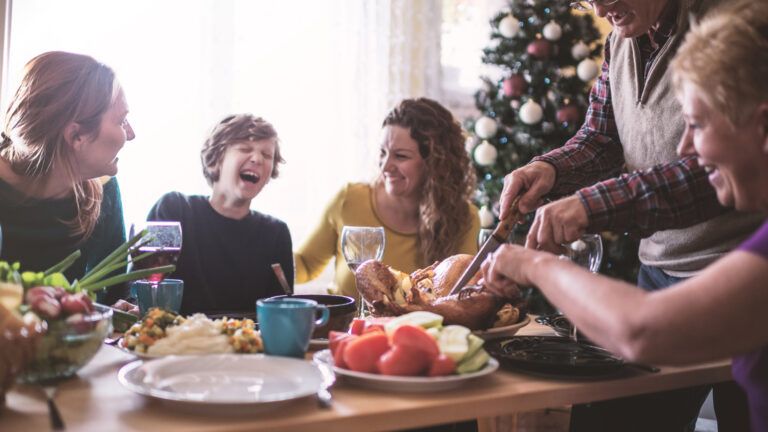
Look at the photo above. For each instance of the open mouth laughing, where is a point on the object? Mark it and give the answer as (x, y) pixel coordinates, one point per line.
(249, 176)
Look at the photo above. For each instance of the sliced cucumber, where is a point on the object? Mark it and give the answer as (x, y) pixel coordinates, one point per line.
(422, 319)
(473, 363)
(453, 342)
(475, 343)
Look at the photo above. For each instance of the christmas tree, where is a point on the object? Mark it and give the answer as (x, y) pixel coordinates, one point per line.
(545, 55)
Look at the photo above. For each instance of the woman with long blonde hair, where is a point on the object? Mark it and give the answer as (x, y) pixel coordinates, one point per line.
(420, 196)
(63, 130)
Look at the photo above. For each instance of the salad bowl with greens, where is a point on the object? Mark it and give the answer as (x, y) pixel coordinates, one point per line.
(73, 326)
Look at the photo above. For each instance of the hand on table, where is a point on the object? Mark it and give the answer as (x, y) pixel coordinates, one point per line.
(556, 224)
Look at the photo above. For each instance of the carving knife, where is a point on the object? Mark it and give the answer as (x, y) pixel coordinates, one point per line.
(497, 238)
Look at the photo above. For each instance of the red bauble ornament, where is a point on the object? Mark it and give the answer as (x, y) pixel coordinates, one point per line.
(514, 86)
(568, 114)
(540, 48)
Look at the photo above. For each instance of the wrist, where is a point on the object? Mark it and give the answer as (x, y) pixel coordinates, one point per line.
(541, 263)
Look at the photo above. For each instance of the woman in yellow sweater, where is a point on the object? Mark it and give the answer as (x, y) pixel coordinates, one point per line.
(420, 196)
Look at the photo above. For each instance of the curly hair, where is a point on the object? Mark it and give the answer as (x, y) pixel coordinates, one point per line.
(59, 88)
(450, 179)
(231, 130)
(725, 57)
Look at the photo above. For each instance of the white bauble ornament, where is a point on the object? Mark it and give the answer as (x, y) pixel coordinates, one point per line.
(587, 70)
(485, 154)
(486, 217)
(486, 127)
(552, 31)
(515, 104)
(580, 51)
(509, 26)
(531, 112)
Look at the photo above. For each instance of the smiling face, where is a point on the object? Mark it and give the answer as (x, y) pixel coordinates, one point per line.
(736, 158)
(631, 18)
(96, 155)
(246, 167)
(403, 169)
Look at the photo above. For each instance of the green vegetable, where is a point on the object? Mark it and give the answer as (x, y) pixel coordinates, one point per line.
(453, 342)
(422, 319)
(475, 343)
(64, 264)
(473, 363)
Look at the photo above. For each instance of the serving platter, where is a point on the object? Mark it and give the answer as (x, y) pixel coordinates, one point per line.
(402, 383)
(223, 381)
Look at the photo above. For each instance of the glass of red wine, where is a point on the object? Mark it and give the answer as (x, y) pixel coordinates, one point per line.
(162, 241)
(360, 244)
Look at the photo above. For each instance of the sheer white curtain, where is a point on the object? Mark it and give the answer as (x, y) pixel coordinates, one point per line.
(323, 72)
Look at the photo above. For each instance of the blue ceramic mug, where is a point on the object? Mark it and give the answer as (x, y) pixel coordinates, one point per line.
(287, 323)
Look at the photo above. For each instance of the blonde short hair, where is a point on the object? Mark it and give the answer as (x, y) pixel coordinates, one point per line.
(725, 56)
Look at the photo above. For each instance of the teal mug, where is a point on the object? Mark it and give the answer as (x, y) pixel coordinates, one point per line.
(166, 294)
(286, 324)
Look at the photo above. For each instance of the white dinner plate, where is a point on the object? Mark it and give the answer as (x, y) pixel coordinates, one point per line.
(119, 345)
(505, 331)
(223, 380)
(403, 383)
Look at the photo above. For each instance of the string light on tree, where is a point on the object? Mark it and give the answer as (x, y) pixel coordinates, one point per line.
(531, 112)
(486, 127)
(486, 154)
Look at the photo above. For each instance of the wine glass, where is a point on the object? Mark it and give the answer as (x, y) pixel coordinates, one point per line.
(360, 244)
(163, 240)
(587, 252)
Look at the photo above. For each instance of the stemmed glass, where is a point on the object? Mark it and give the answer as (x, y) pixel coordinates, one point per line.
(163, 240)
(360, 244)
(587, 252)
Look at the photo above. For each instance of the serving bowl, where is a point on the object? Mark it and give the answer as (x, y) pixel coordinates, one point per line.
(68, 345)
(342, 310)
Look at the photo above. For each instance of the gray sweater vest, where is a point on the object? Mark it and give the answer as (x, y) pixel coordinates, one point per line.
(650, 124)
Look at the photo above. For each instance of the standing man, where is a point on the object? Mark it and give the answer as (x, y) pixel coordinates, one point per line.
(634, 123)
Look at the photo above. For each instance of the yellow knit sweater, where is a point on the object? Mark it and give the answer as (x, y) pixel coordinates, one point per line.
(354, 205)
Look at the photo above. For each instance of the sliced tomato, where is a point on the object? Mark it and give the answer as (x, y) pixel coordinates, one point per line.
(341, 346)
(334, 337)
(403, 360)
(442, 365)
(361, 353)
(416, 337)
(371, 328)
(357, 326)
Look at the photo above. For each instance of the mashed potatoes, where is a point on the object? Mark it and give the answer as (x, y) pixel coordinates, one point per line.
(196, 335)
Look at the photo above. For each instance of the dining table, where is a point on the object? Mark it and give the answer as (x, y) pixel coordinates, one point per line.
(95, 400)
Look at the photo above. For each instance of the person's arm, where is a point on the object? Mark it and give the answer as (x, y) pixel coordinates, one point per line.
(320, 247)
(673, 195)
(595, 152)
(695, 320)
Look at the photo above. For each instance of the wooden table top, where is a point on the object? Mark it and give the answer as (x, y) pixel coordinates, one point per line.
(95, 400)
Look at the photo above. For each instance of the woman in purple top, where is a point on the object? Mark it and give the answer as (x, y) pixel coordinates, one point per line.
(721, 77)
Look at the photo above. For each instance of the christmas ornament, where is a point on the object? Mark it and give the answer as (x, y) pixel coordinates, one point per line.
(485, 154)
(514, 86)
(486, 127)
(531, 112)
(547, 127)
(469, 144)
(587, 70)
(552, 31)
(515, 104)
(540, 48)
(568, 114)
(509, 26)
(486, 217)
(580, 51)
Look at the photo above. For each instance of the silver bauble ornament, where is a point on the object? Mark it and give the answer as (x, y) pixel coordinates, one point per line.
(531, 112)
(486, 127)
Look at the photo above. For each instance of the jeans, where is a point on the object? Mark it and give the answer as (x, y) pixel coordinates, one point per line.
(673, 411)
